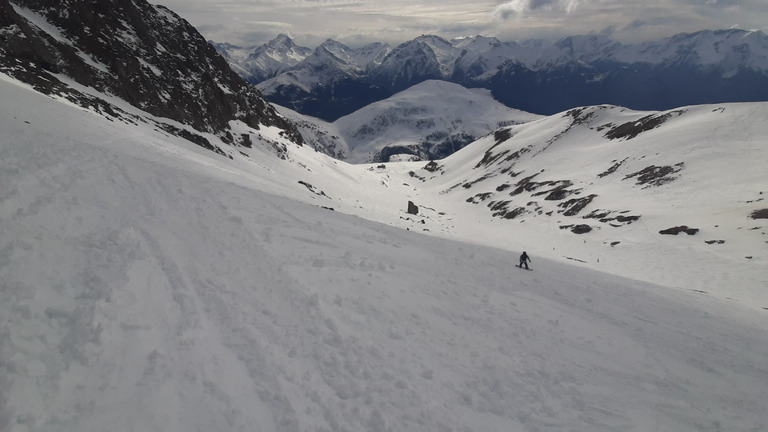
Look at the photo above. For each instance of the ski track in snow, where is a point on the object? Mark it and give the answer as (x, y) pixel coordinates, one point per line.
(143, 291)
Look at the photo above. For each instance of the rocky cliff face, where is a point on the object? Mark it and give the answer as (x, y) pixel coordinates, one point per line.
(135, 51)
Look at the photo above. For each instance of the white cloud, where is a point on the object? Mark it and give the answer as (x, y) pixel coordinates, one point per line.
(516, 8)
(356, 22)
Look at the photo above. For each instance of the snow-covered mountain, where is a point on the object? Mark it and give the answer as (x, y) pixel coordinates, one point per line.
(166, 271)
(320, 135)
(686, 69)
(145, 57)
(481, 57)
(723, 49)
(148, 284)
(689, 178)
(424, 58)
(256, 64)
(540, 76)
(334, 72)
(428, 121)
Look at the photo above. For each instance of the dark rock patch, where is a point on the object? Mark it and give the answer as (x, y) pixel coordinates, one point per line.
(627, 219)
(581, 115)
(313, 189)
(678, 229)
(630, 130)
(190, 136)
(516, 155)
(612, 169)
(759, 214)
(468, 185)
(501, 209)
(573, 206)
(581, 229)
(598, 214)
(432, 167)
(478, 198)
(556, 189)
(412, 208)
(575, 259)
(656, 175)
(577, 229)
(525, 184)
(490, 158)
(502, 135)
(559, 192)
(604, 217)
(414, 175)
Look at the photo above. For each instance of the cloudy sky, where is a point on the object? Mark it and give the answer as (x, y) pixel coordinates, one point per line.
(356, 22)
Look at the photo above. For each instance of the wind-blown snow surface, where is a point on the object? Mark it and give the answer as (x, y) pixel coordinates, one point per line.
(149, 285)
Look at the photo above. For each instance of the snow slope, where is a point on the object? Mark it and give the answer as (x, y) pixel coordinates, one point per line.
(149, 285)
(320, 135)
(633, 174)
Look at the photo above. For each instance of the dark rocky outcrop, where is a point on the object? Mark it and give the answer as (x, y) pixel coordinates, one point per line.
(578, 229)
(656, 175)
(412, 208)
(138, 52)
(632, 129)
(760, 214)
(574, 206)
(678, 229)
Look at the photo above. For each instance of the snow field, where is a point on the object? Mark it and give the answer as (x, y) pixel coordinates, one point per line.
(146, 285)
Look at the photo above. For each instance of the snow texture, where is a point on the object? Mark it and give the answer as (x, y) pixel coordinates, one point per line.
(147, 284)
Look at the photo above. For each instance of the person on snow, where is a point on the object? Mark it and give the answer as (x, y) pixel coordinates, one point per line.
(524, 260)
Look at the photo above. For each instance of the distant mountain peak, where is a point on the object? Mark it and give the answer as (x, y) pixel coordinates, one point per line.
(539, 76)
(427, 121)
(283, 38)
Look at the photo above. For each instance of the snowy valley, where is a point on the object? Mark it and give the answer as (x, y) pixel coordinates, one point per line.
(161, 270)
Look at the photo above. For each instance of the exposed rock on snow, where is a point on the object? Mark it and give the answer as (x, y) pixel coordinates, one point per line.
(632, 129)
(412, 208)
(140, 53)
(656, 175)
(678, 229)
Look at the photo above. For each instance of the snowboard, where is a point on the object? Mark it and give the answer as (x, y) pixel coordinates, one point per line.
(518, 266)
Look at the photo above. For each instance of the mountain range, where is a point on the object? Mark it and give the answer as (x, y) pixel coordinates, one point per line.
(537, 76)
